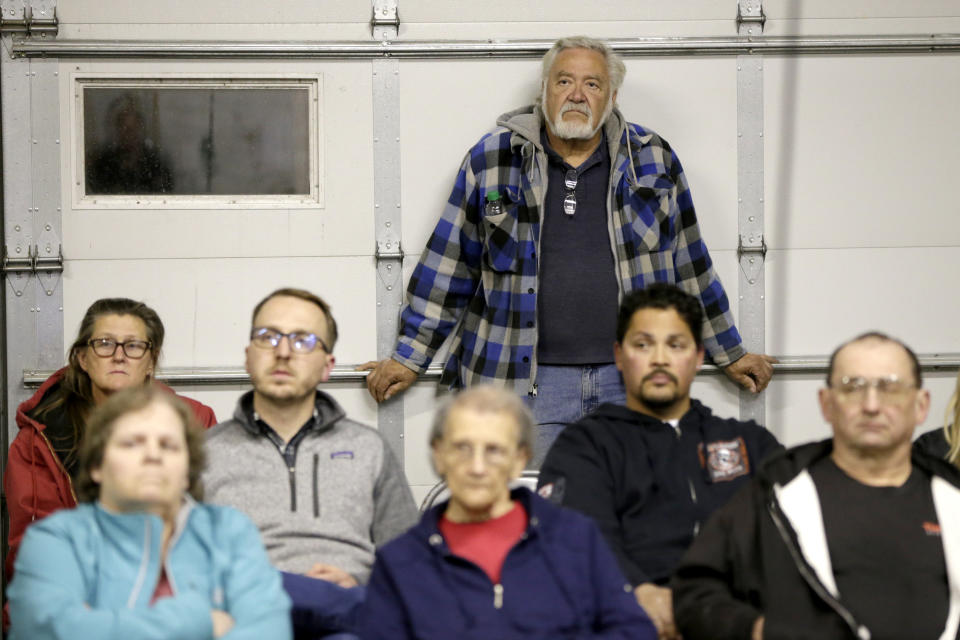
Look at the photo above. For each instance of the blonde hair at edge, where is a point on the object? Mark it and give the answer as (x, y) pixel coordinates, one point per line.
(951, 425)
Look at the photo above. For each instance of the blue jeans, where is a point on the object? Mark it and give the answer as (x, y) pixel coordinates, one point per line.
(322, 609)
(566, 393)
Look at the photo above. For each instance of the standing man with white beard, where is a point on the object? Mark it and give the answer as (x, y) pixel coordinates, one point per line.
(554, 216)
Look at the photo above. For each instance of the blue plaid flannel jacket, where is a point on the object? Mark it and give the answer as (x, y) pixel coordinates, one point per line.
(478, 274)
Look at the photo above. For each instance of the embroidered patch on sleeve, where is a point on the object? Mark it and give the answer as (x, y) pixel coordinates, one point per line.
(553, 491)
(725, 459)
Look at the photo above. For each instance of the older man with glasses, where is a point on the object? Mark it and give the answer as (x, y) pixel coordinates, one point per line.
(324, 490)
(555, 215)
(855, 537)
(492, 562)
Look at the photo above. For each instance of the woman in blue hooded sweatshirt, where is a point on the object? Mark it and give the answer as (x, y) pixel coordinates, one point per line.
(140, 557)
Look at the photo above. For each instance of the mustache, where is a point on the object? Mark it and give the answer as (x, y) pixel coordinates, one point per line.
(582, 107)
(661, 371)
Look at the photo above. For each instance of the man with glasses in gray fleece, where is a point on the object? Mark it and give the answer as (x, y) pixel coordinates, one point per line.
(324, 491)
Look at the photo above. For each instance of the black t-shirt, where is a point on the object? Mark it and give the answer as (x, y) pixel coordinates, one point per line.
(886, 552)
(578, 297)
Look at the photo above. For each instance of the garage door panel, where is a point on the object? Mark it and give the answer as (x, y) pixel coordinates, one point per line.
(206, 305)
(819, 298)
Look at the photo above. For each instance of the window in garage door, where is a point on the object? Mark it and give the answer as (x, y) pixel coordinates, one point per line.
(165, 141)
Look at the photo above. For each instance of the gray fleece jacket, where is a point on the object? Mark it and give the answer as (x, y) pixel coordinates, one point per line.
(344, 495)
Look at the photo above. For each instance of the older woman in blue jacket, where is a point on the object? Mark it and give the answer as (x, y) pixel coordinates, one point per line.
(140, 557)
(491, 562)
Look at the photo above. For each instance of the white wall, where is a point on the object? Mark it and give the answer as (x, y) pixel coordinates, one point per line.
(860, 156)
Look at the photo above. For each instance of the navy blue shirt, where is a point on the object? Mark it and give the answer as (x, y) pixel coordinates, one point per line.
(578, 297)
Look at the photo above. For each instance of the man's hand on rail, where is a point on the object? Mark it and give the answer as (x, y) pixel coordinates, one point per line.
(752, 372)
(387, 378)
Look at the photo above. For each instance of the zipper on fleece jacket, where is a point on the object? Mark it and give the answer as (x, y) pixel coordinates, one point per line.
(144, 561)
(177, 533)
(292, 474)
(859, 630)
(288, 451)
(293, 487)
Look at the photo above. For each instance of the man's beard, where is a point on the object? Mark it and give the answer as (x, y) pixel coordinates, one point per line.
(660, 401)
(576, 130)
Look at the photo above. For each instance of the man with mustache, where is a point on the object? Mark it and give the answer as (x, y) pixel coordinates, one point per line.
(651, 472)
(324, 490)
(555, 215)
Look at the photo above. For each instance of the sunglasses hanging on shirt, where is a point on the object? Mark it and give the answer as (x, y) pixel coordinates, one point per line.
(570, 199)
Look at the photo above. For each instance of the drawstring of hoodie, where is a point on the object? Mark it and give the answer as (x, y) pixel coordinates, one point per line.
(633, 171)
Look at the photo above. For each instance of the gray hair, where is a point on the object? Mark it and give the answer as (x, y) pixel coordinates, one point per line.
(487, 399)
(615, 67)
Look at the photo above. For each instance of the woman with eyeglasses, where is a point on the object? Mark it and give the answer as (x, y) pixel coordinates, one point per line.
(118, 347)
(945, 443)
(141, 556)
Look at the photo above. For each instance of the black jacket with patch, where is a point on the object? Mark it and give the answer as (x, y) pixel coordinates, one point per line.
(648, 486)
(765, 553)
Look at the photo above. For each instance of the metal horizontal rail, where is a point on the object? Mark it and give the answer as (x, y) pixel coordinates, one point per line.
(731, 45)
(225, 376)
(818, 364)
(231, 376)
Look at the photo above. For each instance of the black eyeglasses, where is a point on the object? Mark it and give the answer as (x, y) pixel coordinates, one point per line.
(300, 341)
(106, 347)
(570, 199)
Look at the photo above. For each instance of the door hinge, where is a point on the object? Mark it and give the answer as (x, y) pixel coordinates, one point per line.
(30, 22)
(744, 249)
(33, 262)
(386, 251)
(750, 12)
(385, 22)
